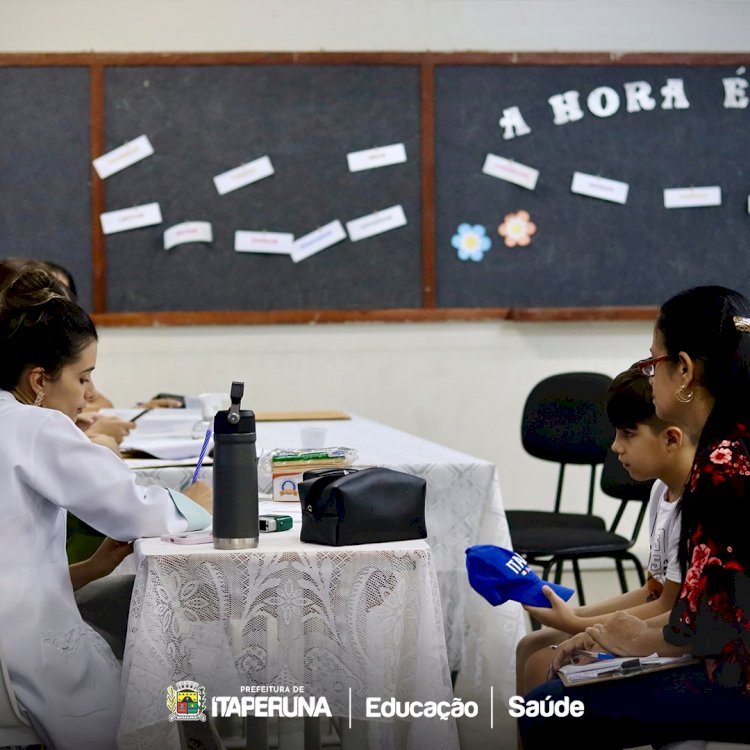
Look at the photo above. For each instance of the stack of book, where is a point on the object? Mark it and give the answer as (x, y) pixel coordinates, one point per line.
(289, 466)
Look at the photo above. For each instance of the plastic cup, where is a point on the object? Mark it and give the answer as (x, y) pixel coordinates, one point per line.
(312, 437)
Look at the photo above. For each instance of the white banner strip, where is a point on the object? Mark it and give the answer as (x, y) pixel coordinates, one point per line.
(124, 156)
(188, 231)
(599, 187)
(372, 158)
(692, 197)
(130, 218)
(318, 240)
(376, 223)
(243, 175)
(510, 171)
(277, 243)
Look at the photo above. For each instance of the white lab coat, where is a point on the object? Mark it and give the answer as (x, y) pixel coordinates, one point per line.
(63, 672)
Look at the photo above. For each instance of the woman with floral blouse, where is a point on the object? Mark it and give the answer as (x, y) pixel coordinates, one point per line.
(700, 375)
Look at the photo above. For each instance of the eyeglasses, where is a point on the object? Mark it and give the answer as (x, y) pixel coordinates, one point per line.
(648, 366)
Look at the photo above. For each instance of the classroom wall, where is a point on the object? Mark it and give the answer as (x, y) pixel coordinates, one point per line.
(461, 384)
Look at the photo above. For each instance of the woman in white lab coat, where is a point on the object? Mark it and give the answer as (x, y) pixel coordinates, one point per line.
(64, 674)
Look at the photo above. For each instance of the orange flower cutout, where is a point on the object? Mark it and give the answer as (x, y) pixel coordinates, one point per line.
(517, 229)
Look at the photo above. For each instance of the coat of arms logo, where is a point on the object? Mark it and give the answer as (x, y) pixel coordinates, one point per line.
(186, 701)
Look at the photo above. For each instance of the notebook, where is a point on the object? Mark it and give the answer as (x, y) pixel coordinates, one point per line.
(619, 668)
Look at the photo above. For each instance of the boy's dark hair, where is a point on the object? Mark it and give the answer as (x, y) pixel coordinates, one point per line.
(630, 401)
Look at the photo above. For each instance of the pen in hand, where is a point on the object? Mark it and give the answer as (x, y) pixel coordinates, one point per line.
(598, 655)
(202, 455)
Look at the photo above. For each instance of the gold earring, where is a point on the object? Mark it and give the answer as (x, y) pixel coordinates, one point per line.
(682, 396)
(39, 398)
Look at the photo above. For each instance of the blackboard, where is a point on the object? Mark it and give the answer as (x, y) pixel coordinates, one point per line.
(208, 113)
(205, 120)
(588, 252)
(45, 210)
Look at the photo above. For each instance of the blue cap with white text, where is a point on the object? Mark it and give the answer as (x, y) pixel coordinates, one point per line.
(500, 575)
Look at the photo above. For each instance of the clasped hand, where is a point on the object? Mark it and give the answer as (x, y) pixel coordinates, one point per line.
(619, 636)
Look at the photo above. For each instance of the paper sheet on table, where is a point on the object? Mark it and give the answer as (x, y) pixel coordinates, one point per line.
(162, 421)
(166, 434)
(162, 463)
(164, 447)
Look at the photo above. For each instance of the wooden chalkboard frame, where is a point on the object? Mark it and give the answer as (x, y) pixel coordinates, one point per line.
(97, 63)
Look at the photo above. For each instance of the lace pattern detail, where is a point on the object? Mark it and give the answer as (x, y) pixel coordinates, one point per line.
(331, 621)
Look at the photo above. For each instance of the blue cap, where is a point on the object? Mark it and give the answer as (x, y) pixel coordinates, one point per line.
(500, 574)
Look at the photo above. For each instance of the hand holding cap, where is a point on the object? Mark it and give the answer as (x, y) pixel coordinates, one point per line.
(500, 575)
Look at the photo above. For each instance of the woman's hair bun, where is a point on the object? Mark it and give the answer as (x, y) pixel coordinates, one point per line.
(31, 288)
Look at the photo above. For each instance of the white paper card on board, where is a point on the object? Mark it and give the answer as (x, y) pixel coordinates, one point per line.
(188, 231)
(127, 154)
(278, 243)
(243, 175)
(318, 240)
(692, 197)
(599, 187)
(130, 218)
(372, 158)
(376, 223)
(511, 171)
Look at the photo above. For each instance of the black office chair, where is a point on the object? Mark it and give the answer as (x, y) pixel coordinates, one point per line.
(564, 420)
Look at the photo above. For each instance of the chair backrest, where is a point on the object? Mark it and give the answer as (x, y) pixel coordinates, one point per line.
(565, 420)
(617, 483)
(14, 727)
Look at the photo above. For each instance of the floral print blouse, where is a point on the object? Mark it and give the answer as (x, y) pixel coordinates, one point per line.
(712, 613)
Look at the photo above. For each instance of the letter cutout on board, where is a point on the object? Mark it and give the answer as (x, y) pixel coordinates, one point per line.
(513, 124)
(603, 101)
(674, 94)
(565, 107)
(735, 93)
(638, 96)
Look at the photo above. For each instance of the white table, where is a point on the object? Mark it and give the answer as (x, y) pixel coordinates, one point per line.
(463, 507)
(345, 623)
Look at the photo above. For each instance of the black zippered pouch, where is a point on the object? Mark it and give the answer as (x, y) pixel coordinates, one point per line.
(361, 506)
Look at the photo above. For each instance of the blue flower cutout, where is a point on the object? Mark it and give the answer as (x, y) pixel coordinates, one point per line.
(471, 242)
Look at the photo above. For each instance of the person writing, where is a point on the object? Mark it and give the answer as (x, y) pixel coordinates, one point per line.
(64, 674)
(699, 370)
(105, 430)
(649, 448)
(100, 401)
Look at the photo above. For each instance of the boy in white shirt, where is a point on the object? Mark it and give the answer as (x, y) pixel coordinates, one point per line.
(648, 448)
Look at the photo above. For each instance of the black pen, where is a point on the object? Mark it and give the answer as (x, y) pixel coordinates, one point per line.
(140, 414)
(627, 668)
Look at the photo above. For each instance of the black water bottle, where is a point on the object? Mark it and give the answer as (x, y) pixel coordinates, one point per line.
(235, 476)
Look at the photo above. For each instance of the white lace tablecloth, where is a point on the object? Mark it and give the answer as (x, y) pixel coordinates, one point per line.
(463, 507)
(345, 623)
